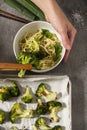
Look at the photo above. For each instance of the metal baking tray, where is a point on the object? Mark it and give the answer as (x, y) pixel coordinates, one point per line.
(60, 84)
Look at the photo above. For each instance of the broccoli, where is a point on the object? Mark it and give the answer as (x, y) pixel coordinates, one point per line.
(13, 128)
(47, 33)
(23, 58)
(14, 90)
(41, 107)
(42, 91)
(27, 97)
(57, 128)
(27, 58)
(41, 123)
(7, 92)
(21, 73)
(54, 107)
(2, 116)
(17, 112)
(4, 93)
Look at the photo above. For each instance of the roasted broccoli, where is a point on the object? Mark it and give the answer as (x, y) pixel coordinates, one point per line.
(41, 107)
(7, 92)
(41, 123)
(27, 97)
(54, 107)
(57, 128)
(13, 128)
(42, 91)
(4, 93)
(14, 90)
(2, 116)
(17, 112)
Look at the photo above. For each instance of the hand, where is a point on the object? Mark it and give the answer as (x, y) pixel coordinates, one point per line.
(64, 27)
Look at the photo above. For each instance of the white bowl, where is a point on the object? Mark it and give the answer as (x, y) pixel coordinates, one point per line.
(32, 27)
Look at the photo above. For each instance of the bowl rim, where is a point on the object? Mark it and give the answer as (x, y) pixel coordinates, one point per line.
(38, 22)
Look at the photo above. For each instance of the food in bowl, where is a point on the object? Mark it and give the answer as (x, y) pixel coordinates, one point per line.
(41, 49)
(39, 44)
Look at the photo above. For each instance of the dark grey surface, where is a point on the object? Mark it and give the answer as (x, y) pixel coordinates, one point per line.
(76, 66)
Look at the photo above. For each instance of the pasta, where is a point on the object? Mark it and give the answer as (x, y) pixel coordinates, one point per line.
(43, 46)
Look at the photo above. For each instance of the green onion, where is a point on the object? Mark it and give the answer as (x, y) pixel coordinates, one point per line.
(20, 8)
(33, 8)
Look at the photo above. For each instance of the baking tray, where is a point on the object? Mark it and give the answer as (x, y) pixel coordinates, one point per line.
(60, 84)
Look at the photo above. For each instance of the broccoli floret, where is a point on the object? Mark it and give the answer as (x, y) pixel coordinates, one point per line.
(7, 92)
(13, 128)
(21, 73)
(27, 114)
(42, 91)
(41, 107)
(17, 112)
(27, 97)
(27, 58)
(4, 93)
(14, 90)
(2, 116)
(41, 123)
(57, 128)
(54, 107)
(23, 58)
(47, 33)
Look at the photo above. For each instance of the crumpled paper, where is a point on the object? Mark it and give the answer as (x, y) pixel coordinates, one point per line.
(59, 84)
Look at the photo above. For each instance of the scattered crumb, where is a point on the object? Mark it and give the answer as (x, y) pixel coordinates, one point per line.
(78, 18)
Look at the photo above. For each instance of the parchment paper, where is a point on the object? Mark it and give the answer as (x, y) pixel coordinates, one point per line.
(59, 84)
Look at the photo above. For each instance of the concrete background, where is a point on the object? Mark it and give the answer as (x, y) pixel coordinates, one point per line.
(76, 66)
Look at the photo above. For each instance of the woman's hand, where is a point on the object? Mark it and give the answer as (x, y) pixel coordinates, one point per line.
(64, 27)
(59, 21)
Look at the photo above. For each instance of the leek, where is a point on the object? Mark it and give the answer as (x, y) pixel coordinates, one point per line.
(20, 8)
(33, 8)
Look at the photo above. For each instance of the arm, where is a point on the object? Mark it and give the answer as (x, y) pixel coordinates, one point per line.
(56, 17)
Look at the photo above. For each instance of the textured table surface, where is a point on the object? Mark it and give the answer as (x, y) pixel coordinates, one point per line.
(75, 67)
